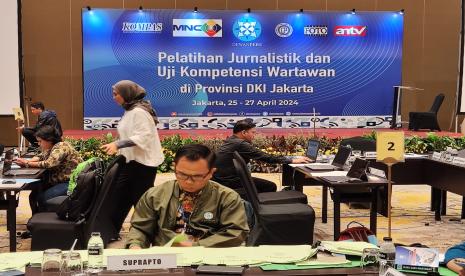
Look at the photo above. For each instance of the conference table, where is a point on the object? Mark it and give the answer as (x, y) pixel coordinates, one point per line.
(370, 188)
(11, 191)
(35, 271)
(442, 176)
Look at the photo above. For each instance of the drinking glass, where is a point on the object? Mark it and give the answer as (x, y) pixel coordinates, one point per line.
(370, 260)
(51, 260)
(72, 263)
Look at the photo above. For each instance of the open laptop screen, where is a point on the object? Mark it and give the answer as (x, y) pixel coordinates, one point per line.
(312, 149)
(358, 169)
(340, 159)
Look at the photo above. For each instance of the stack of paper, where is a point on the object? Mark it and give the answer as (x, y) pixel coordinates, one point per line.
(9, 261)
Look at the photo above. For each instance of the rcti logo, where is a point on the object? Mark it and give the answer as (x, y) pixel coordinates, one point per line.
(350, 30)
(247, 29)
(197, 28)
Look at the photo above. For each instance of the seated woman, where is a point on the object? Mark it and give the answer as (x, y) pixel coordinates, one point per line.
(59, 159)
(455, 258)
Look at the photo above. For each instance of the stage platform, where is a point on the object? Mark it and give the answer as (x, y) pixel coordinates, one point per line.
(223, 133)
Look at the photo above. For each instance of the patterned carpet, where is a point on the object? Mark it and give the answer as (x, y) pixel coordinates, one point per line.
(412, 221)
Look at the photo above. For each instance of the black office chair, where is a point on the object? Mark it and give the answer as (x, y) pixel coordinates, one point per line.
(277, 223)
(427, 120)
(48, 231)
(288, 196)
(359, 143)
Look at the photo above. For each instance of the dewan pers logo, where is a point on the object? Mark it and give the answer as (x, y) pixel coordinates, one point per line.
(247, 28)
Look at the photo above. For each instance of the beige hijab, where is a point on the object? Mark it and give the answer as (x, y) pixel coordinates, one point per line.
(133, 95)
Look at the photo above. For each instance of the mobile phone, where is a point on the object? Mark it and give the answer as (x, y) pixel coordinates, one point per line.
(220, 269)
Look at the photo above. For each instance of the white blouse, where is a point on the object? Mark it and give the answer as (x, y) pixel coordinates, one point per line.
(138, 126)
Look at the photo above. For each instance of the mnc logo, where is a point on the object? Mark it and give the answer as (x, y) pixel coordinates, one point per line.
(350, 30)
(247, 28)
(197, 27)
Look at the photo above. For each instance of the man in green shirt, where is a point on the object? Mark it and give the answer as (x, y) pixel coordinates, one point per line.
(208, 213)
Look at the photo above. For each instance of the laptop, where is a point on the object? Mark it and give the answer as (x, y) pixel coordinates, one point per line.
(312, 150)
(340, 159)
(357, 173)
(8, 162)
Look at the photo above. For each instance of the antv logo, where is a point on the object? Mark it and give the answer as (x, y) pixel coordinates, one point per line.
(350, 30)
(142, 27)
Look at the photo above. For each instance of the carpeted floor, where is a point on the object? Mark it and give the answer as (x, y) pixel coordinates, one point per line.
(412, 221)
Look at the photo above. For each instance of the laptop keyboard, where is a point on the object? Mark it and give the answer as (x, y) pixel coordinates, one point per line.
(320, 166)
(22, 172)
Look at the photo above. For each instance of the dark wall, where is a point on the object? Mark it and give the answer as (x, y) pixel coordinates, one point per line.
(53, 63)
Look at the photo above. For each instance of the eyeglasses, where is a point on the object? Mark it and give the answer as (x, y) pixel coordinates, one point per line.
(194, 178)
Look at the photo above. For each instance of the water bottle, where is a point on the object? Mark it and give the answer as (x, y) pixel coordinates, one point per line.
(387, 255)
(95, 253)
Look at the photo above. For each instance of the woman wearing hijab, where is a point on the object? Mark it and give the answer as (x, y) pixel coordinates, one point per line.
(138, 143)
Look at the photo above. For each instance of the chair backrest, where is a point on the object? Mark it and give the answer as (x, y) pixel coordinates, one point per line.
(2, 148)
(360, 143)
(103, 202)
(246, 180)
(437, 103)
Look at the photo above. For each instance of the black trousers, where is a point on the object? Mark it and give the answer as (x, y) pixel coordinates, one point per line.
(29, 134)
(134, 180)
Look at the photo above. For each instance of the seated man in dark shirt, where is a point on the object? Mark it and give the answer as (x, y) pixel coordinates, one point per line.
(45, 118)
(241, 141)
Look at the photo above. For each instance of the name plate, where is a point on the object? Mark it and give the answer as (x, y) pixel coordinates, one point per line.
(370, 154)
(436, 155)
(137, 262)
(459, 161)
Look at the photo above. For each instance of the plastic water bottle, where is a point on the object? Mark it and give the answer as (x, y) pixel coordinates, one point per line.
(95, 253)
(387, 255)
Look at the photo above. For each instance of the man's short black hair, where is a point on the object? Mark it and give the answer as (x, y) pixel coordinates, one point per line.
(245, 124)
(194, 152)
(38, 105)
(49, 134)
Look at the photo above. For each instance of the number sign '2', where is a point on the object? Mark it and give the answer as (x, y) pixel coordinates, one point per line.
(390, 146)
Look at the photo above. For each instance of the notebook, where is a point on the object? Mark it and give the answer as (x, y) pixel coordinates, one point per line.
(340, 159)
(8, 162)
